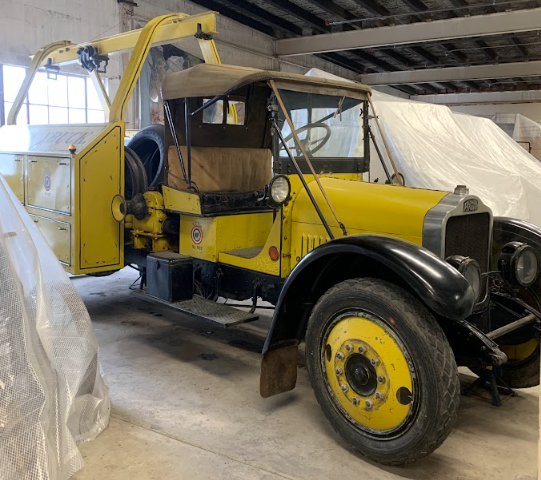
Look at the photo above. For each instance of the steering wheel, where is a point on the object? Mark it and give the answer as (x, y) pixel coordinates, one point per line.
(311, 146)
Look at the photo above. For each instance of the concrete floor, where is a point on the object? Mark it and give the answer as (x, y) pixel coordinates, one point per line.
(186, 405)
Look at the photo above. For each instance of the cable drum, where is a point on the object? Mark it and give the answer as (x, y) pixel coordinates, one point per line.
(135, 176)
(149, 145)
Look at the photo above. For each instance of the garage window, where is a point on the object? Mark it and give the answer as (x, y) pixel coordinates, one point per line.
(68, 99)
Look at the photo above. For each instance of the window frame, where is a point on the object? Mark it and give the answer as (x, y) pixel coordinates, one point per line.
(27, 104)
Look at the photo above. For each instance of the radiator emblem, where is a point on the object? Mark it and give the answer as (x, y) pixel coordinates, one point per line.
(471, 205)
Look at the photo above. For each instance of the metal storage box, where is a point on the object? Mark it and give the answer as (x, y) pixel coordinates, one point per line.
(170, 276)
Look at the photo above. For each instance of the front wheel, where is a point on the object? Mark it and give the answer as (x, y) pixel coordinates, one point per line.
(382, 371)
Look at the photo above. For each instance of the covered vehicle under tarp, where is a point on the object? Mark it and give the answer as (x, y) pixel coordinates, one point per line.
(437, 149)
(522, 129)
(52, 396)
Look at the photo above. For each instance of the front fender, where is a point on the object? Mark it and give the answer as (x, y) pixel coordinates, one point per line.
(441, 287)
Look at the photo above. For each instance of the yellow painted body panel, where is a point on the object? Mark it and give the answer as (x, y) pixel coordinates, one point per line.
(69, 195)
(218, 239)
(363, 208)
(48, 183)
(262, 261)
(101, 177)
(182, 202)
(12, 168)
(352, 335)
(58, 236)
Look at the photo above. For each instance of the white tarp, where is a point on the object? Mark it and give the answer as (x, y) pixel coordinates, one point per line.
(52, 396)
(438, 149)
(521, 129)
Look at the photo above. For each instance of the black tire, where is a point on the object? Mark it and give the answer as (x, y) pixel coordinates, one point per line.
(522, 374)
(149, 144)
(437, 384)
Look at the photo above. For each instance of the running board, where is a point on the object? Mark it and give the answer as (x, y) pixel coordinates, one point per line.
(205, 309)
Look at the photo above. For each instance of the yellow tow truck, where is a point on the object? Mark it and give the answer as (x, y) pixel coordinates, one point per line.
(251, 190)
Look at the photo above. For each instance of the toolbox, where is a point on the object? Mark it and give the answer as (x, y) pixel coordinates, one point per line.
(170, 276)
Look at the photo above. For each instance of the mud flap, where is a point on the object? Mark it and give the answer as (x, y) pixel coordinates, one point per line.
(279, 369)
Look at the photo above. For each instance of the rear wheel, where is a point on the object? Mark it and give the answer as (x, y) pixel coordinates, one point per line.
(382, 370)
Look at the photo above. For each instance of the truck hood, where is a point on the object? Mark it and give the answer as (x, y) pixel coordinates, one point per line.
(368, 207)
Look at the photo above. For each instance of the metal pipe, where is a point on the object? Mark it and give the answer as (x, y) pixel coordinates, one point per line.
(366, 138)
(303, 180)
(207, 104)
(378, 151)
(188, 122)
(521, 322)
(384, 141)
(175, 138)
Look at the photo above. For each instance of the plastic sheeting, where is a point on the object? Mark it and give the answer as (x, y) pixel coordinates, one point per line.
(523, 130)
(52, 396)
(437, 149)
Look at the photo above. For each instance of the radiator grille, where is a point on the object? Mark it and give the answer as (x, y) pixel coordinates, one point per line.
(468, 235)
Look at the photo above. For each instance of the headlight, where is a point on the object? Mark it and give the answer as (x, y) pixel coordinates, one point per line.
(518, 264)
(471, 271)
(279, 189)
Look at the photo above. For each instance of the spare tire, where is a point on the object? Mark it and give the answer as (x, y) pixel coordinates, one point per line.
(149, 145)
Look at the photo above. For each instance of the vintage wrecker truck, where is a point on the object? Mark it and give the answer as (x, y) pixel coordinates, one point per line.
(250, 192)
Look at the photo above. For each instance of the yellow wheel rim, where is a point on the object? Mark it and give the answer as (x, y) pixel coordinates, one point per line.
(368, 373)
(517, 353)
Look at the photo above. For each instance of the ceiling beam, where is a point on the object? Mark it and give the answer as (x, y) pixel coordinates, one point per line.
(521, 48)
(334, 9)
(462, 27)
(451, 49)
(299, 13)
(238, 17)
(374, 7)
(487, 50)
(459, 74)
(406, 89)
(256, 13)
(495, 98)
(367, 57)
(343, 62)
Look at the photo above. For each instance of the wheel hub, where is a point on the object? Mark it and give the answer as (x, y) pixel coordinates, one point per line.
(361, 374)
(369, 374)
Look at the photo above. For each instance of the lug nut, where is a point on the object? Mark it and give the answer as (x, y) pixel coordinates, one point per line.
(344, 388)
(368, 404)
(362, 349)
(374, 361)
(381, 379)
(340, 356)
(338, 371)
(349, 347)
(355, 401)
(379, 396)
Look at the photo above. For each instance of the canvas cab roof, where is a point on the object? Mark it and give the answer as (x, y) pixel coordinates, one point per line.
(210, 80)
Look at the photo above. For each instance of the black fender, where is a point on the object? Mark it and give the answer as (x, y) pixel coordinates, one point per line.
(436, 283)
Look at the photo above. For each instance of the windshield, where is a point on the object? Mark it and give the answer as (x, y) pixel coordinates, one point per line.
(328, 126)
